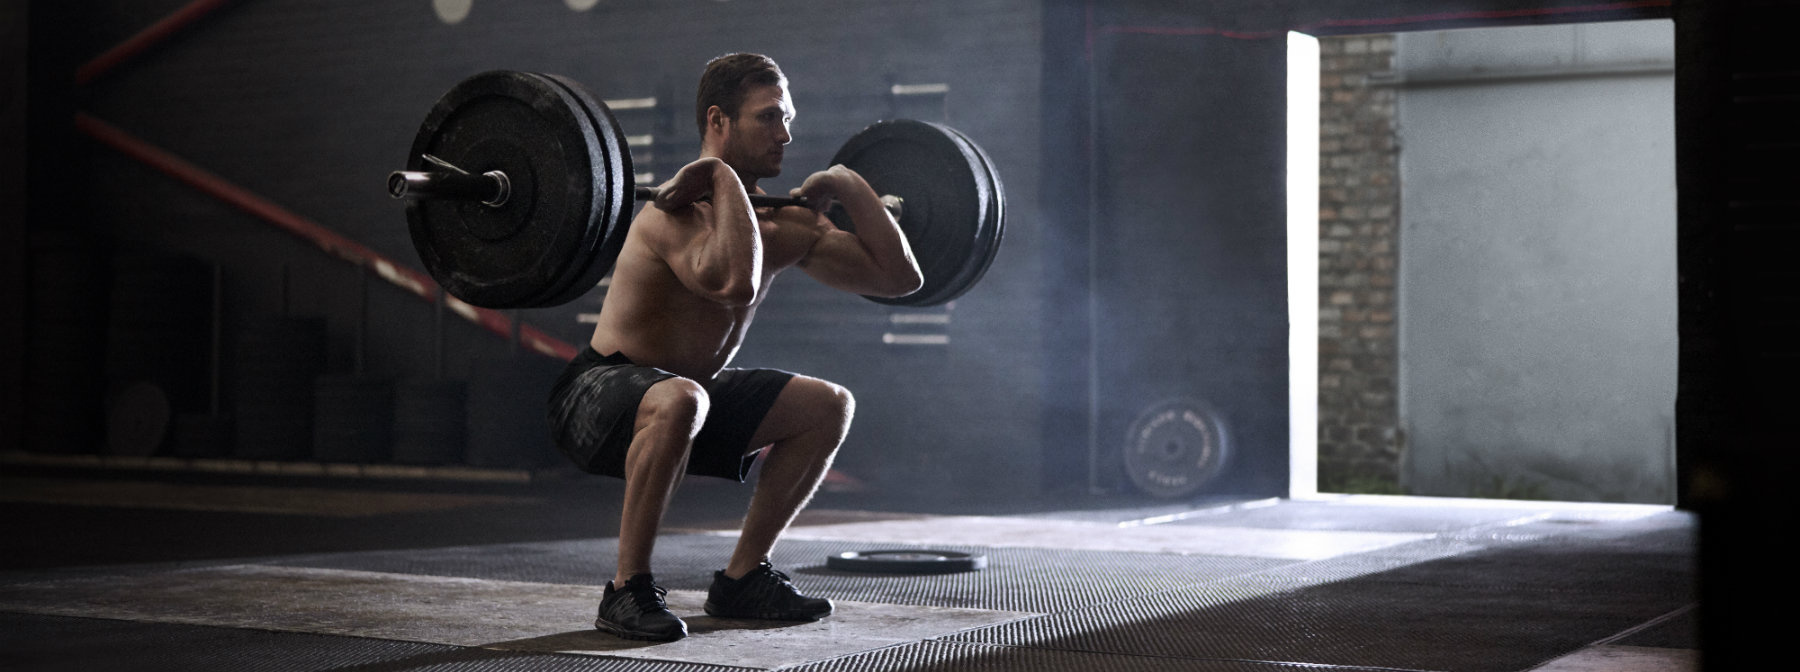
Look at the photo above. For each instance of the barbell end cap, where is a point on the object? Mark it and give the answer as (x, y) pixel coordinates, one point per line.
(396, 184)
(503, 188)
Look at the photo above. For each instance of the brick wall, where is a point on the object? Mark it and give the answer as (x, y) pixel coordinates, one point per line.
(1359, 193)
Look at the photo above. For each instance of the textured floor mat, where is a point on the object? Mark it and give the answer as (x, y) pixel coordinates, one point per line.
(58, 643)
(1035, 580)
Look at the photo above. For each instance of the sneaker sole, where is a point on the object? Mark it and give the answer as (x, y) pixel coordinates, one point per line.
(716, 612)
(637, 635)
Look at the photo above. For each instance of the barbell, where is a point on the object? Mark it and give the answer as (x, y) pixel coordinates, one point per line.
(519, 190)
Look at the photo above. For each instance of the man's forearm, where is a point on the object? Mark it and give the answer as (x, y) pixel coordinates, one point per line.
(882, 237)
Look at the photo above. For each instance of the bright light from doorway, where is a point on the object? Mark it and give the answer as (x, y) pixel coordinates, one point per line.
(1303, 263)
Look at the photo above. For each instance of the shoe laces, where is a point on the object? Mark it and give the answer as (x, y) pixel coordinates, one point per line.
(777, 575)
(647, 595)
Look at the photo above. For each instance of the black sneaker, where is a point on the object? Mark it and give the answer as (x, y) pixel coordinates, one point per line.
(637, 611)
(763, 593)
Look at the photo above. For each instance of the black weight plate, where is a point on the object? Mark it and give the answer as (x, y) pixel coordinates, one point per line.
(615, 178)
(964, 255)
(981, 253)
(1175, 447)
(592, 227)
(966, 260)
(995, 228)
(514, 255)
(945, 201)
(906, 562)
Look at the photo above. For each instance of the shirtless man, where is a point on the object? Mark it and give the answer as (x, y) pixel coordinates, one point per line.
(650, 399)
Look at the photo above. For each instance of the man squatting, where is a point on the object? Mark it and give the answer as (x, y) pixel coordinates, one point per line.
(661, 404)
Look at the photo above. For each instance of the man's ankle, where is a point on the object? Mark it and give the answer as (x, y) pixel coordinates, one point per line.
(735, 572)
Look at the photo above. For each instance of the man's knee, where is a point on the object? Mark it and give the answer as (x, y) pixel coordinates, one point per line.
(833, 403)
(675, 404)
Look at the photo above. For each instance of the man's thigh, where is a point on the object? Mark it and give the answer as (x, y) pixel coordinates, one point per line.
(805, 405)
(739, 400)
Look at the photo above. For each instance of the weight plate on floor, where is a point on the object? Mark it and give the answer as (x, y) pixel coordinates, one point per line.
(1175, 448)
(906, 561)
(947, 197)
(523, 253)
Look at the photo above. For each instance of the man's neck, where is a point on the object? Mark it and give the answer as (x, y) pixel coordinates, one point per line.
(748, 180)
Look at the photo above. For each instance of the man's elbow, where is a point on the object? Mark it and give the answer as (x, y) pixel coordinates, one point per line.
(901, 285)
(731, 287)
(736, 294)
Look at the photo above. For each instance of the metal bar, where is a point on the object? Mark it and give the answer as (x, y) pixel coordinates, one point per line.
(492, 187)
(414, 281)
(149, 37)
(648, 194)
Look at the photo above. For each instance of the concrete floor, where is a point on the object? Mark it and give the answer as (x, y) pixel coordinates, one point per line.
(110, 568)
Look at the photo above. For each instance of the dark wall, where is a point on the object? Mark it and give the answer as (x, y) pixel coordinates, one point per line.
(14, 84)
(1164, 240)
(310, 104)
(1737, 94)
(1190, 277)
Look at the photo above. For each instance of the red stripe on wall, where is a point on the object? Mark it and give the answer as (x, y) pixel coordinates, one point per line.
(149, 37)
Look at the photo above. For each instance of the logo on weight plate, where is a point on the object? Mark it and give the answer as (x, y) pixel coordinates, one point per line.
(1175, 447)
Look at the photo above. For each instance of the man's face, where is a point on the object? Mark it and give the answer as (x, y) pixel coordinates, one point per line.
(755, 140)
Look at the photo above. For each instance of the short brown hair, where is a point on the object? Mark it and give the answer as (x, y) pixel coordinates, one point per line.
(728, 80)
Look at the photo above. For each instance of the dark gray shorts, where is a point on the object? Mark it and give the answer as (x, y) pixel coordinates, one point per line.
(594, 404)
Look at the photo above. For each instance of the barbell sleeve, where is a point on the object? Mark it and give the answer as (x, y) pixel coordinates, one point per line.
(491, 188)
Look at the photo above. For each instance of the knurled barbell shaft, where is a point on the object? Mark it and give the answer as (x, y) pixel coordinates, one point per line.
(893, 204)
(648, 194)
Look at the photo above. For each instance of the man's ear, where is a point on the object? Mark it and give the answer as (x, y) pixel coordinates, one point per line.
(715, 118)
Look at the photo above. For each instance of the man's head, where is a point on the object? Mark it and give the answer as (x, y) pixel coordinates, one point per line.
(743, 112)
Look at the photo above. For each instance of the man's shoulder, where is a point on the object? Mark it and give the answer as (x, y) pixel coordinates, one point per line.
(663, 226)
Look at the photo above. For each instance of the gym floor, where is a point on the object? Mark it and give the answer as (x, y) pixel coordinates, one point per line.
(104, 567)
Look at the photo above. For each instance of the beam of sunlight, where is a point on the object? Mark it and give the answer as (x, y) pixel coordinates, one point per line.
(1303, 263)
